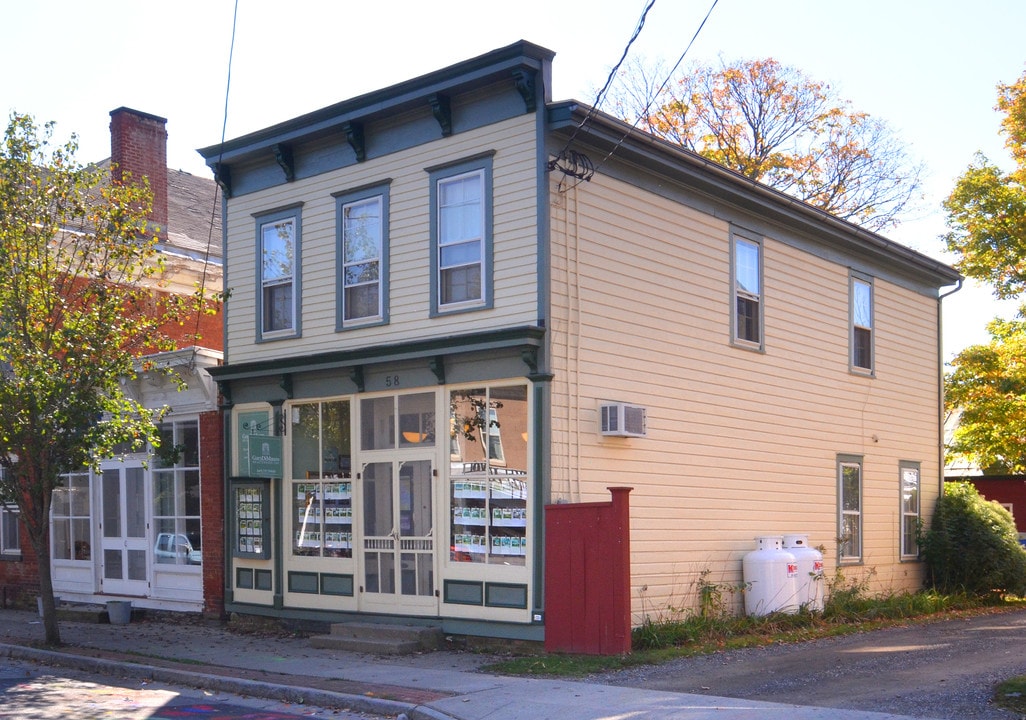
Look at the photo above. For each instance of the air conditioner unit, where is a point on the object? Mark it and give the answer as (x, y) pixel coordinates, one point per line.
(622, 420)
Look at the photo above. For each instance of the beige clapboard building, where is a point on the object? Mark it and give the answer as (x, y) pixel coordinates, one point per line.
(454, 302)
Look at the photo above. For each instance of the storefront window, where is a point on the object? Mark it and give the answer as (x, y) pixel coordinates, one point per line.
(176, 495)
(488, 433)
(70, 512)
(416, 415)
(322, 488)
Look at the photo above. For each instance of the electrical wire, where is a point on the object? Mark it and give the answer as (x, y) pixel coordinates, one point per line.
(561, 156)
(217, 188)
(660, 89)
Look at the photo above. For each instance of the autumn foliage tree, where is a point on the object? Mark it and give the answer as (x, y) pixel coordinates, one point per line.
(987, 231)
(773, 124)
(79, 306)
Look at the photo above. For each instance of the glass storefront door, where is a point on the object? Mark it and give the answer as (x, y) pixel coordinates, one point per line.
(398, 545)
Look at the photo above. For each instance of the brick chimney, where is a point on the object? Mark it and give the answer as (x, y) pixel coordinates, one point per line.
(138, 146)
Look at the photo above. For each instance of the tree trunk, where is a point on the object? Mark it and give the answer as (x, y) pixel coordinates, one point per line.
(39, 537)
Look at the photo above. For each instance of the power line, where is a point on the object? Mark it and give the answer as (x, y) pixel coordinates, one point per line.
(662, 86)
(563, 160)
(224, 129)
(570, 163)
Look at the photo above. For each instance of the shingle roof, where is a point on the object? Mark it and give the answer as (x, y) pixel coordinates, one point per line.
(194, 215)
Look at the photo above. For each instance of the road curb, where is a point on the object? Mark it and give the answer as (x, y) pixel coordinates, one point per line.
(294, 694)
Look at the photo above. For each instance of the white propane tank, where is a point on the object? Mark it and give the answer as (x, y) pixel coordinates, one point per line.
(809, 583)
(770, 575)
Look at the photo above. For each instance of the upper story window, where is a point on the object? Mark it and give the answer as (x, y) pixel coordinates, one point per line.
(279, 235)
(861, 324)
(849, 509)
(363, 257)
(746, 266)
(461, 236)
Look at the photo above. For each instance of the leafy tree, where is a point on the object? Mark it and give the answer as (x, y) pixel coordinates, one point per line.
(972, 546)
(773, 124)
(987, 231)
(79, 307)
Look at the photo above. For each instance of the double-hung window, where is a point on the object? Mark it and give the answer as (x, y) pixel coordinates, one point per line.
(909, 510)
(278, 265)
(363, 257)
(10, 541)
(849, 508)
(861, 324)
(461, 236)
(746, 291)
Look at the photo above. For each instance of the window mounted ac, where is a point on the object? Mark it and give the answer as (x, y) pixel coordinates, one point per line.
(622, 420)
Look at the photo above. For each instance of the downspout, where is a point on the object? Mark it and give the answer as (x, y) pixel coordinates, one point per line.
(940, 382)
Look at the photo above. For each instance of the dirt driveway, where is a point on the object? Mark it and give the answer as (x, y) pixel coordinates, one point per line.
(939, 669)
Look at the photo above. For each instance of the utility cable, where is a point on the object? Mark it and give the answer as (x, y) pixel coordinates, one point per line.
(564, 160)
(217, 188)
(659, 90)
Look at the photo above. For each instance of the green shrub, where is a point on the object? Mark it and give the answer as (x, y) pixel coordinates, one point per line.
(972, 546)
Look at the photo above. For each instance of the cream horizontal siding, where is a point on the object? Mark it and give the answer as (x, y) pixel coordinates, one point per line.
(740, 443)
(514, 244)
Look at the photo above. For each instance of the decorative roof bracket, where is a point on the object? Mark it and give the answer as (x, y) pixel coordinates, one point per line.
(223, 178)
(283, 156)
(354, 136)
(442, 110)
(524, 80)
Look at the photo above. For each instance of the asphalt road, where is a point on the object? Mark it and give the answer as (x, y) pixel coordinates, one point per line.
(940, 669)
(35, 692)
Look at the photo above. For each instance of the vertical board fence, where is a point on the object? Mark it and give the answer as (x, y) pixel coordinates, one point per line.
(588, 576)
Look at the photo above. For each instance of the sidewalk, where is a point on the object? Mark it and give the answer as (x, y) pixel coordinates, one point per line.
(443, 685)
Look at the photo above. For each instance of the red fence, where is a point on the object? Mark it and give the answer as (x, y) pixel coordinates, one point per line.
(588, 576)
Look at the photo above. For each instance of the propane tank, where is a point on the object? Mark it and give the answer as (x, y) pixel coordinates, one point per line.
(770, 575)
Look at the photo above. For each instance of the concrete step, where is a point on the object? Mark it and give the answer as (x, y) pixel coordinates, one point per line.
(379, 638)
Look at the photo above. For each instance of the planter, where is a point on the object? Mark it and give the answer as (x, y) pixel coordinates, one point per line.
(119, 612)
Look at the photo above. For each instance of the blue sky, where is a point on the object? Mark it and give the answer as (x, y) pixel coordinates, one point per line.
(927, 67)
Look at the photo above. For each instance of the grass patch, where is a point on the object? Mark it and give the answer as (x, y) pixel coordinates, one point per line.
(1011, 695)
(712, 628)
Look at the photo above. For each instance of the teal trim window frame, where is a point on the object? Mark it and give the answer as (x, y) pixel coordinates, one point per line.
(910, 486)
(849, 509)
(278, 277)
(746, 290)
(862, 333)
(362, 256)
(461, 235)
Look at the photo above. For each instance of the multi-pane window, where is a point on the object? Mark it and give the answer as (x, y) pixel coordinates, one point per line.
(747, 291)
(176, 495)
(10, 541)
(861, 324)
(322, 488)
(461, 236)
(489, 475)
(849, 471)
(278, 262)
(909, 510)
(363, 256)
(71, 536)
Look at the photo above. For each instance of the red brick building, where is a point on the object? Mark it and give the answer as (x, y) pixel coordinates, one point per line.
(149, 528)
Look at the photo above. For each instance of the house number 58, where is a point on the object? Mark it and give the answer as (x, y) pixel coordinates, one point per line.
(391, 381)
